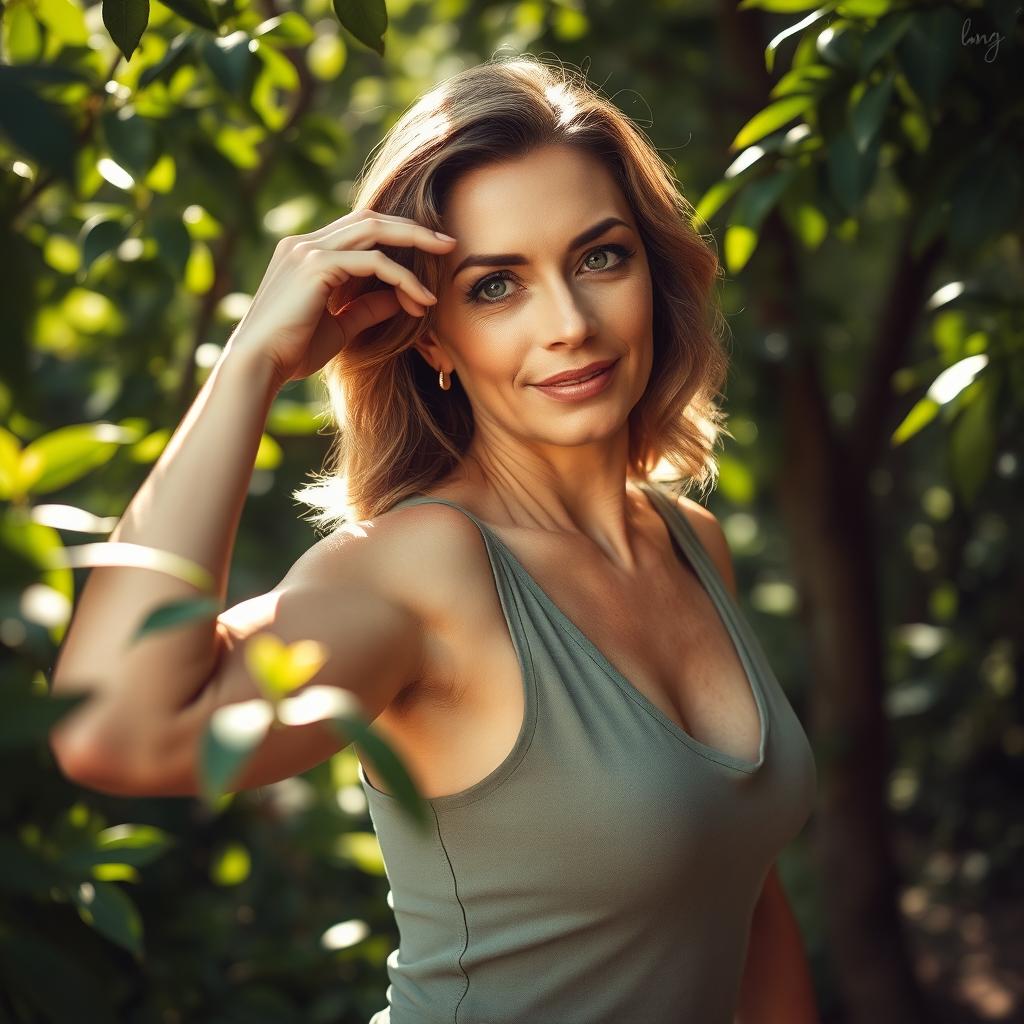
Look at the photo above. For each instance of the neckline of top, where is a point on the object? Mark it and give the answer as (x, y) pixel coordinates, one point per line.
(689, 546)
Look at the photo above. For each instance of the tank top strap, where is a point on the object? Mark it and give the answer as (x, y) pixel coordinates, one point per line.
(498, 554)
(691, 545)
(492, 540)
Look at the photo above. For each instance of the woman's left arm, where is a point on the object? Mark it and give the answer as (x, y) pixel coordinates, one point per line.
(776, 986)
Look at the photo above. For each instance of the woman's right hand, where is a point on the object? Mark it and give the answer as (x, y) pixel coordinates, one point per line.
(302, 314)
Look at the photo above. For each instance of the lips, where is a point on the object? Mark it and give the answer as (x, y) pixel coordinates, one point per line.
(578, 375)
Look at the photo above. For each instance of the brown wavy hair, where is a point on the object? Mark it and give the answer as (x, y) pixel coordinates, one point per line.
(397, 431)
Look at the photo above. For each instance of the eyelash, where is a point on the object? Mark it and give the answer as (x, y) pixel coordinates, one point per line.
(473, 292)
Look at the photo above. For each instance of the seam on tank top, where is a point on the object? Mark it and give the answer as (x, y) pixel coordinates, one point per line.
(465, 919)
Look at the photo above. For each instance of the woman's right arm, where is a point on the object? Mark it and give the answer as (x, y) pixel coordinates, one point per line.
(140, 733)
(151, 700)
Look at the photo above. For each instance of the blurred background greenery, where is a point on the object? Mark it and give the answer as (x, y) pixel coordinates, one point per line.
(859, 167)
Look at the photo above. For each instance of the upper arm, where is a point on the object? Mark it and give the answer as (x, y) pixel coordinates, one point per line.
(354, 592)
(711, 535)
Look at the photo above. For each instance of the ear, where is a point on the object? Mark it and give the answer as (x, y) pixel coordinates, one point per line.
(428, 346)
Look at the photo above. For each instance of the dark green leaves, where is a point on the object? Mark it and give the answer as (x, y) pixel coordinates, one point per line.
(178, 613)
(108, 908)
(35, 126)
(199, 12)
(126, 20)
(365, 19)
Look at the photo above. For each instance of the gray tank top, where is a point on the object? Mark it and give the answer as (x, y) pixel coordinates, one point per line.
(607, 870)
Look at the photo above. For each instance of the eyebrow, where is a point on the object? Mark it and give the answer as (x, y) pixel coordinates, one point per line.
(517, 259)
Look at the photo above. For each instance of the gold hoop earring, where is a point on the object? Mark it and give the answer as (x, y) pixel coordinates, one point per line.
(440, 379)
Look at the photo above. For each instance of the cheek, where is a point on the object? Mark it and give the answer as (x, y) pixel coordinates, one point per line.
(631, 313)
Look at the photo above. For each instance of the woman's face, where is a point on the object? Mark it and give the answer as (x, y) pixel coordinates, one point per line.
(529, 290)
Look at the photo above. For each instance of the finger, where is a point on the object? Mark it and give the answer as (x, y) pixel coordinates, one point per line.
(411, 306)
(365, 215)
(366, 234)
(369, 309)
(373, 263)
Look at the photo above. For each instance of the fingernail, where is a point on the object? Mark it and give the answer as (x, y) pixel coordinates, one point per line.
(444, 237)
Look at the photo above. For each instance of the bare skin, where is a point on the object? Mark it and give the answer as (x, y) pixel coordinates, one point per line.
(549, 477)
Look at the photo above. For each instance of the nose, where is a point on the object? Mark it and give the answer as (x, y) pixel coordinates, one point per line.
(566, 315)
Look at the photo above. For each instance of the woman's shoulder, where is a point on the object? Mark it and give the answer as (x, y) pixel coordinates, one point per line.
(424, 555)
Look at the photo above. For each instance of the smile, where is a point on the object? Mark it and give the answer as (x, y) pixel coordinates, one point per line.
(577, 390)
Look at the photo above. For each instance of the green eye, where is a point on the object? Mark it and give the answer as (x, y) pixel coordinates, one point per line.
(473, 293)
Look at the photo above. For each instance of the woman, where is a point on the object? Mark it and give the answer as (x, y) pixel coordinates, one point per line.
(545, 636)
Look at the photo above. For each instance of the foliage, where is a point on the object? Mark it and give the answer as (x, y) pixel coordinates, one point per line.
(153, 154)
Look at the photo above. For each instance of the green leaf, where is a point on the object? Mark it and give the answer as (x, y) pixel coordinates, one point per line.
(288, 29)
(65, 20)
(839, 46)
(132, 139)
(173, 244)
(813, 79)
(805, 220)
(716, 197)
(758, 197)
(30, 553)
(365, 19)
(232, 733)
(180, 49)
(10, 459)
(176, 613)
(100, 235)
(769, 53)
(126, 20)
(866, 117)
(850, 172)
(198, 12)
(753, 205)
(740, 243)
(388, 766)
(280, 668)
(135, 845)
(880, 39)
(275, 82)
(22, 34)
(231, 62)
(39, 129)
(136, 555)
(865, 8)
(67, 454)
(107, 908)
(927, 51)
(778, 6)
(972, 441)
(922, 413)
(773, 116)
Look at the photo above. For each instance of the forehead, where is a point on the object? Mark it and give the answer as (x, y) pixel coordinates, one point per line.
(557, 190)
